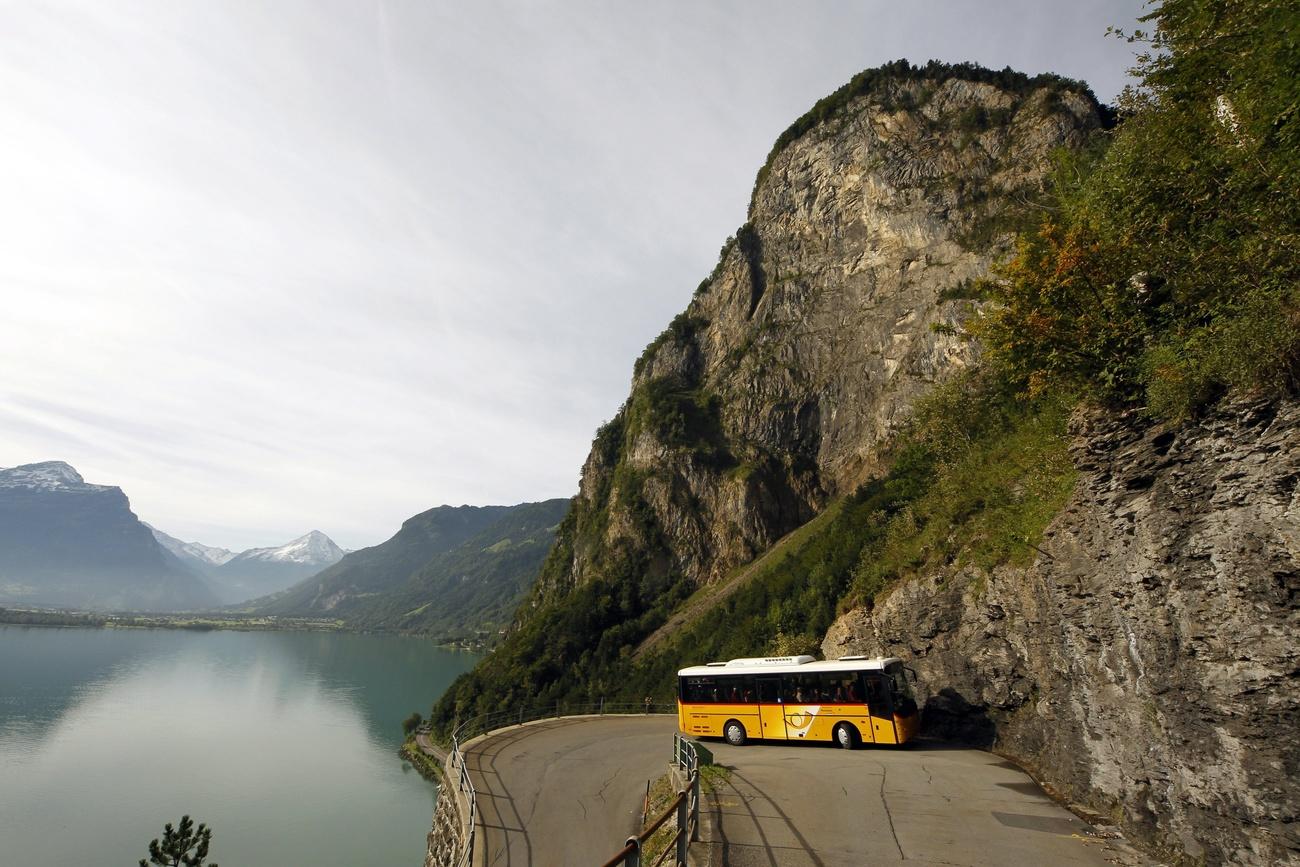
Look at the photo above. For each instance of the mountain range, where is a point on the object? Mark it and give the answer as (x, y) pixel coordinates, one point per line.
(455, 572)
(452, 572)
(67, 543)
(238, 577)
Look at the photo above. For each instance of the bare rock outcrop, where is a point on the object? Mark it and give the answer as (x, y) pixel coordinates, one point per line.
(1146, 665)
(827, 317)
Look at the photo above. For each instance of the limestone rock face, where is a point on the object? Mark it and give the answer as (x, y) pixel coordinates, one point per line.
(811, 341)
(1146, 664)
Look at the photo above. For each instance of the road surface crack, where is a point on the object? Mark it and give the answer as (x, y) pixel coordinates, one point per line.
(889, 815)
(601, 794)
(929, 781)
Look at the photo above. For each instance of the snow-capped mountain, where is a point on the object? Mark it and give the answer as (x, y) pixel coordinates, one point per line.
(67, 543)
(263, 571)
(47, 476)
(191, 551)
(236, 577)
(314, 549)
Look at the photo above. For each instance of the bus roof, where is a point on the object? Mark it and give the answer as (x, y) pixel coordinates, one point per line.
(788, 664)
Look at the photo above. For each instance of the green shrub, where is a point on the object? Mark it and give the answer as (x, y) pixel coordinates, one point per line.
(1169, 274)
(680, 331)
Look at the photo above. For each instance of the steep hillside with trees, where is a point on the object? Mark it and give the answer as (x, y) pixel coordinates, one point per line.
(450, 572)
(988, 386)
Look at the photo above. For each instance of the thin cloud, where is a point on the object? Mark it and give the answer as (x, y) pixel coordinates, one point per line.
(273, 267)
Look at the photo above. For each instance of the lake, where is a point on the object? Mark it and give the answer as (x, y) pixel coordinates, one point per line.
(284, 743)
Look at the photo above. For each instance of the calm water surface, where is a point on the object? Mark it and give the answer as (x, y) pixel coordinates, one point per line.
(284, 743)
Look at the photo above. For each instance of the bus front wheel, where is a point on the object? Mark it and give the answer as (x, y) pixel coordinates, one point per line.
(734, 732)
(847, 736)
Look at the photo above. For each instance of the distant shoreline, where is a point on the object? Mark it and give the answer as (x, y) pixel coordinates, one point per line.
(199, 622)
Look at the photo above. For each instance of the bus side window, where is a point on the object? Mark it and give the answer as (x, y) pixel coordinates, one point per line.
(856, 694)
(794, 692)
(733, 688)
(769, 690)
(837, 688)
(877, 693)
(804, 689)
(745, 690)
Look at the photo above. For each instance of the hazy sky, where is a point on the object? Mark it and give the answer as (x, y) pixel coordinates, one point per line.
(275, 266)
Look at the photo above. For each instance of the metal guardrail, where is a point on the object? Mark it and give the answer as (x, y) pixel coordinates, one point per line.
(488, 722)
(686, 806)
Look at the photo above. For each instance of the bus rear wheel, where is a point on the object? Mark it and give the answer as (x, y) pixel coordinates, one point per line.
(734, 732)
(847, 737)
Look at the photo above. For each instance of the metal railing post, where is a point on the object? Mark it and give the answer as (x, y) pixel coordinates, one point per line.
(683, 829)
(695, 806)
(634, 857)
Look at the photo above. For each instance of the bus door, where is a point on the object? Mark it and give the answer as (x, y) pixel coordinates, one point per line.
(880, 708)
(771, 711)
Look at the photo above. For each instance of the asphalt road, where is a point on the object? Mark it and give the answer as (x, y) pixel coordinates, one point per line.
(813, 804)
(569, 792)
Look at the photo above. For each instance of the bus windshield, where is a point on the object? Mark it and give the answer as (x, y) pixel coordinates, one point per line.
(900, 689)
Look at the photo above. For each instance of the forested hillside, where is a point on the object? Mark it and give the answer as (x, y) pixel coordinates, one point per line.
(778, 395)
(451, 572)
(992, 384)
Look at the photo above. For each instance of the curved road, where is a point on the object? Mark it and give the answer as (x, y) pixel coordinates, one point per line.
(570, 791)
(564, 791)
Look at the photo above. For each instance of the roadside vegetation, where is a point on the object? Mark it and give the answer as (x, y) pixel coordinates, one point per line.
(1168, 271)
(973, 485)
(425, 765)
(1162, 271)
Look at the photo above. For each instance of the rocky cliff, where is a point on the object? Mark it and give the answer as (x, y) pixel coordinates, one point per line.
(1146, 664)
(823, 321)
(67, 543)
(1112, 604)
(828, 314)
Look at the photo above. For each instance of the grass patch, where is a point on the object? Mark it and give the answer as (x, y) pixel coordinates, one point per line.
(424, 764)
(713, 778)
(986, 506)
(660, 796)
(972, 486)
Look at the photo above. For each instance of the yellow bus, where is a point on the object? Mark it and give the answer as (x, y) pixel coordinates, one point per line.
(851, 700)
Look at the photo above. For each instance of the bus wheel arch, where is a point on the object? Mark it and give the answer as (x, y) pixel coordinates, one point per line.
(847, 736)
(733, 731)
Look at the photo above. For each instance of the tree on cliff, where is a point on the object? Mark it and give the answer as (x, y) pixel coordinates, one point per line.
(1169, 274)
(174, 849)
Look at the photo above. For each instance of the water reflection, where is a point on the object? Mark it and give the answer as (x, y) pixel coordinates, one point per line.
(282, 742)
